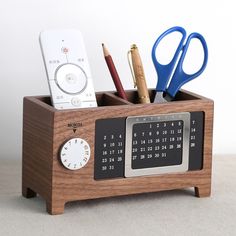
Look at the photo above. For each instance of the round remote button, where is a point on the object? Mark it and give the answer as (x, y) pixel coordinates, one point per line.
(71, 78)
(76, 102)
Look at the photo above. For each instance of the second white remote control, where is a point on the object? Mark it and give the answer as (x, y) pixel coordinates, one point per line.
(67, 68)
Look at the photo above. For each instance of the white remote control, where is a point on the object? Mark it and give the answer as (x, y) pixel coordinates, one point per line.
(67, 68)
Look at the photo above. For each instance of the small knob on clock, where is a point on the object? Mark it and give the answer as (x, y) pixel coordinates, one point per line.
(75, 153)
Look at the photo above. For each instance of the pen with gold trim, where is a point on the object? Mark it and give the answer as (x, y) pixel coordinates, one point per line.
(138, 74)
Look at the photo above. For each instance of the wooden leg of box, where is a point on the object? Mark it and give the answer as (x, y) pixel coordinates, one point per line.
(203, 191)
(28, 193)
(55, 208)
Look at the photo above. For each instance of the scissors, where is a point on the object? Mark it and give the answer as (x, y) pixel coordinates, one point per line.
(179, 77)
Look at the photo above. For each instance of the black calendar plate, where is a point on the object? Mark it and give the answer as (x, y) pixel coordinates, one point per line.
(156, 144)
(109, 148)
(196, 141)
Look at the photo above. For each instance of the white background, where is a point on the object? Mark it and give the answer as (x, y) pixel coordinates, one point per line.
(118, 24)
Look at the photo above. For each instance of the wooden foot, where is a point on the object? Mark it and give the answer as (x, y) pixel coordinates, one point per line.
(28, 193)
(203, 191)
(56, 208)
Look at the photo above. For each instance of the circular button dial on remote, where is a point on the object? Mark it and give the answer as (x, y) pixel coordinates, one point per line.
(75, 154)
(71, 78)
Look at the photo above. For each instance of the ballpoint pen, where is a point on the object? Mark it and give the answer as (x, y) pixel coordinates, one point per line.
(114, 74)
(138, 74)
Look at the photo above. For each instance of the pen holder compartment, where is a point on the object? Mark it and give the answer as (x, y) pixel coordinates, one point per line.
(132, 96)
(109, 99)
(107, 129)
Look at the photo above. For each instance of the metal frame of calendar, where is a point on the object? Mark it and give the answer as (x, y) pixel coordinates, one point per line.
(182, 167)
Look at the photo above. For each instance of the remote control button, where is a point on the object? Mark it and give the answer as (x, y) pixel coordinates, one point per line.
(71, 78)
(76, 102)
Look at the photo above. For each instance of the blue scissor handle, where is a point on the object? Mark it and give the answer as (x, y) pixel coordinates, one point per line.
(164, 71)
(180, 77)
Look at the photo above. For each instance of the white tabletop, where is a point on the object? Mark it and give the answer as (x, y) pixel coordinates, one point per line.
(175, 212)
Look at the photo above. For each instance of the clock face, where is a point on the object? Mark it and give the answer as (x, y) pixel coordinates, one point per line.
(75, 154)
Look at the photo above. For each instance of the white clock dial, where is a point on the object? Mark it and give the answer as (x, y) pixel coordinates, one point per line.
(75, 154)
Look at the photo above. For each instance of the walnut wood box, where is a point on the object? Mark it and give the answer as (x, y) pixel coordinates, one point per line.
(45, 129)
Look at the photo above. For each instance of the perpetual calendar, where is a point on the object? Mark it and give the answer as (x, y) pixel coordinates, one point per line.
(148, 145)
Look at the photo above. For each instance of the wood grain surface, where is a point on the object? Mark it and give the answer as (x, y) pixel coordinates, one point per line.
(45, 129)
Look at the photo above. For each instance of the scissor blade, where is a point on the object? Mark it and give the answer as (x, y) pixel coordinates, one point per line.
(159, 98)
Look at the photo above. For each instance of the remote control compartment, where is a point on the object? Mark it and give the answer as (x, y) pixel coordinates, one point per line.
(103, 99)
(46, 129)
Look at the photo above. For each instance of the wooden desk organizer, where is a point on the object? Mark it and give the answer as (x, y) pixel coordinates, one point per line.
(45, 129)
